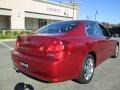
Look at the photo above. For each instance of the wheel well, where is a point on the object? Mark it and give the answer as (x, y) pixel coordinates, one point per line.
(94, 55)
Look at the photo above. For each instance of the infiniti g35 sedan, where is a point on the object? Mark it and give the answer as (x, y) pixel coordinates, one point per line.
(64, 50)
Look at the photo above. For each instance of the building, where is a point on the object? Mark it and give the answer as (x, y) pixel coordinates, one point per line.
(33, 14)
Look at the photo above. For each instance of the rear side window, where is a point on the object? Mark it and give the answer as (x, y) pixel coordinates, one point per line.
(58, 27)
(92, 29)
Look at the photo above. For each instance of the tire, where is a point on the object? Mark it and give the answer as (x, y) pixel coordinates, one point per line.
(87, 70)
(116, 52)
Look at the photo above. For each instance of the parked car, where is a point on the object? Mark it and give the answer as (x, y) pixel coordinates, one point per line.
(64, 50)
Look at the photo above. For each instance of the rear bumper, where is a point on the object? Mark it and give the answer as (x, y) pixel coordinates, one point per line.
(43, 68)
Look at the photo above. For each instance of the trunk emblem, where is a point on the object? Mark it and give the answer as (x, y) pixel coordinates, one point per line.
(26, 42)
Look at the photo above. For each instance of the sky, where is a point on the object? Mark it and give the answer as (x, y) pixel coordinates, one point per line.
(108, 10)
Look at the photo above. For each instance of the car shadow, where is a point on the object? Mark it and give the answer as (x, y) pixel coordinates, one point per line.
(36, 78)
(23, 86)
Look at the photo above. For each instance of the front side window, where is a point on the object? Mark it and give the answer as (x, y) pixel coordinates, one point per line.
(58, 27)
(104, 31)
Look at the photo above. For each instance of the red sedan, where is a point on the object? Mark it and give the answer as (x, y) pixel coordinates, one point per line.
(64, 50)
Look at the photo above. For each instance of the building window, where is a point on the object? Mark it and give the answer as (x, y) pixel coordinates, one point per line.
(4, 22)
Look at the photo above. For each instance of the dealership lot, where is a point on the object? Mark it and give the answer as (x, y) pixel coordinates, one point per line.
(106, 76)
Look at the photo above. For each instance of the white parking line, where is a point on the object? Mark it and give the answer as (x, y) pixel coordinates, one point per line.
(7, 40)
(6, 46)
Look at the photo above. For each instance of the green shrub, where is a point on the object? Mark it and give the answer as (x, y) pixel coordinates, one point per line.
(28, 32)
(15, 33)
(12, 34)
(0, 32)
(8, 32)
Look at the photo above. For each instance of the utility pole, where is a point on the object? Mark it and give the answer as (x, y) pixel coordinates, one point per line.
(73, 8)
(73, 5)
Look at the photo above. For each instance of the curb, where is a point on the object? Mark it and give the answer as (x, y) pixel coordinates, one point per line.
(7, 40)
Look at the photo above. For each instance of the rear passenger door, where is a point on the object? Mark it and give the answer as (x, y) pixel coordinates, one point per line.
(100, 41)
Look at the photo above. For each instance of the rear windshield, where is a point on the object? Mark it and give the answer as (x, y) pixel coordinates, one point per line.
(58, 27)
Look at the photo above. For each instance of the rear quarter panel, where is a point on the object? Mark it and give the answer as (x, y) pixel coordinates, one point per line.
(81, 47)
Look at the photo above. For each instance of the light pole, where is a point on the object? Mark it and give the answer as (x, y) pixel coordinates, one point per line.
(96, 15)
(87, 17)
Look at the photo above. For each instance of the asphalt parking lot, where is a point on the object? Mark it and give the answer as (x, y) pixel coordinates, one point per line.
(106, 76)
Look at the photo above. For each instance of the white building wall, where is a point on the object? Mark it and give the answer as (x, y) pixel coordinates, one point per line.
(48, 9)
(5, 12)
(36, 10)
(17, 17)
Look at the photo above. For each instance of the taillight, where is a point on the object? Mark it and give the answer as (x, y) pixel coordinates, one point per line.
(58, 49)
(18, 42)
(17, 45)
(55, 46)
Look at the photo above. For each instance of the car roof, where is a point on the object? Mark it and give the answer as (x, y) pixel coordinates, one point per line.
(80, 21)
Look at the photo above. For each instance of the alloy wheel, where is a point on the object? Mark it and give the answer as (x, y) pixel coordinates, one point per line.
(88, 68)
